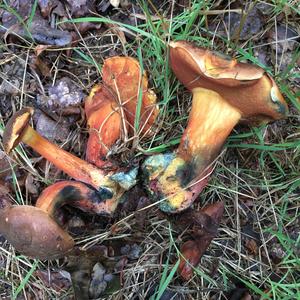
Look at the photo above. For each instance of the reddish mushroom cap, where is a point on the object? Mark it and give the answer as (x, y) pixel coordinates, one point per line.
(104, 122)
(123, 75)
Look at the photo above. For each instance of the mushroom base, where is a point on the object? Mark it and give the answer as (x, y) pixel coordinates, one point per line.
(173, 182)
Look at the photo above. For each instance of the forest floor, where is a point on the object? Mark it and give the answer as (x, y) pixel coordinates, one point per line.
(50, 62)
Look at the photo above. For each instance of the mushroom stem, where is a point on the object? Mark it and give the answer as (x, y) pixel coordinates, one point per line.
(210, 122)
(63, 160)
(76, 194)
(186, 173)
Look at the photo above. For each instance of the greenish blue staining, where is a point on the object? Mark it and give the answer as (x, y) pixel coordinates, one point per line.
(125, 180)
(157, 163)
(166, 207)
(281, 108)
(105, 193)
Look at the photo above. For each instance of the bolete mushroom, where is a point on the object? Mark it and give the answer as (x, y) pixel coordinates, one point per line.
(96, 190)
(34, 231)
(224, 93)
(111, 186)
(19, 130)
(111, 108)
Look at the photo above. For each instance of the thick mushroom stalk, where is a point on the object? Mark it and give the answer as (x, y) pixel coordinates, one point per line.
(224, 93)
(34, 231)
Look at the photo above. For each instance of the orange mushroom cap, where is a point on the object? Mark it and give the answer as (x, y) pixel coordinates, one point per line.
(123, 75)
(244, 86)
(104, 122)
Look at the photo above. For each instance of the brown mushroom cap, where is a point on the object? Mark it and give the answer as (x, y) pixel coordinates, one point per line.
(15, 127)
(244, 86)
(34, 233)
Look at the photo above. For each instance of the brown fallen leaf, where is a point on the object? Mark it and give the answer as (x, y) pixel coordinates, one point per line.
(80, 8)
(251, 246)
(190, 258)
(57, 280)
(204, 231)
(39, 49)
(40, 66)
(5, 201)
(47, 7)
(39, 30)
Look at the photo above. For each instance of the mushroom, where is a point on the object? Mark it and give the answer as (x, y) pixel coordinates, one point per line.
(18, 130)
(111, 108)
(34, 231)
(104, 122)
(123, 75)
(224, 93)
(111, 186)
(96, 190)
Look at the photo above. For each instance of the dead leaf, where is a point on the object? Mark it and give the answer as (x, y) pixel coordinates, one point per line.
(251, 245)
(204, 231)
(39, 49)
(117, 31)
(30, 185)
(190, 258)
(57, 280)
(80, 8)
(5, 201)
(40, 66)
(51, 6)
(5, 168)
(39, 30)
(51, 129)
